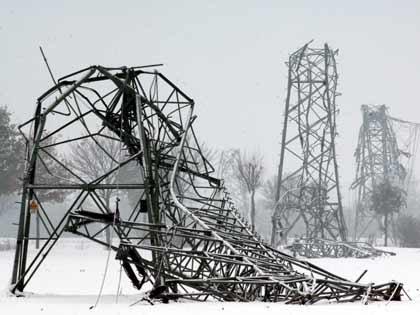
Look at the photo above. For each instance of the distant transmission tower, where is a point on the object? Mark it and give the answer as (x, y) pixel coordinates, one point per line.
(308, 189)
(378, 161)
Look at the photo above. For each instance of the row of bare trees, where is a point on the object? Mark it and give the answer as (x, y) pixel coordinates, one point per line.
(253, 190)
(242, 171)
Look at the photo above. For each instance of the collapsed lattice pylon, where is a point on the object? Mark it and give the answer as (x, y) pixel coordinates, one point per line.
(380, 158)
(183, 234)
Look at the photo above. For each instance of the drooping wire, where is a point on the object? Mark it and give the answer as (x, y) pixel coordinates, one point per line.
(106, 268)
(118, 200)
(115, 217)
(119, 284)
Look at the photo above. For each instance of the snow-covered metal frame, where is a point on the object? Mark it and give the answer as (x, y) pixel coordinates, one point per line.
(192, 242)
(308, 190)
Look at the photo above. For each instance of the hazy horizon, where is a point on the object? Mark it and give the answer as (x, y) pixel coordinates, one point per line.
(228, 56)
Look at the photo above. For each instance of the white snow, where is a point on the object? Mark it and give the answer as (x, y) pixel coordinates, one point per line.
(69, 282)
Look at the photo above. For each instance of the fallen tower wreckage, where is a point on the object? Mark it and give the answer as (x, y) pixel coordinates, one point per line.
(192, 243)
(385, 157)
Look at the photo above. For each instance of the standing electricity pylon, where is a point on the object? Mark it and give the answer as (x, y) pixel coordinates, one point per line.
(308, 187)
(378, 162)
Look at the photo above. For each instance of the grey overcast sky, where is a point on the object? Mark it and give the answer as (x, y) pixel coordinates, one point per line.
(227, 55)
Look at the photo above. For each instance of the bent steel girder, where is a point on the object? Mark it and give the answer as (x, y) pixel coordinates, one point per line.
(378, 160)
(308, 188)
(191, 243)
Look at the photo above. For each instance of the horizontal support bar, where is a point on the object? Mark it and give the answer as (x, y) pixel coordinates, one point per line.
(87, 186)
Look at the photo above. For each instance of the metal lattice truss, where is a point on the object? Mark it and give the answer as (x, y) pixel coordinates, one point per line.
(308, 185)
(182, 235)
(318, 248)
(378, 160)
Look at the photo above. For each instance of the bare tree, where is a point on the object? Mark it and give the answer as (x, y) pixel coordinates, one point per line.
(387, 199)
(11, 154)
(95, 160)
(196, 157)
(226, 170)
(248, 170)
(51, 171)
(269, 192)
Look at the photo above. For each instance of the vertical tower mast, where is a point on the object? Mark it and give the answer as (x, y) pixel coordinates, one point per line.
(308, 189)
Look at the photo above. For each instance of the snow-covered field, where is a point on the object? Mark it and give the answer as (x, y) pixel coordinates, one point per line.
(69, 282)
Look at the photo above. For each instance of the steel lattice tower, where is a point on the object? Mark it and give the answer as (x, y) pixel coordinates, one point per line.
(308, 184)
(192, 243)
(378, 161)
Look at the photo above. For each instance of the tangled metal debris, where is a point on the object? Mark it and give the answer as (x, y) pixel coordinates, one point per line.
(183, 234)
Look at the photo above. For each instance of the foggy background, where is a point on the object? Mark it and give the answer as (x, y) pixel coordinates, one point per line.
(229, 56)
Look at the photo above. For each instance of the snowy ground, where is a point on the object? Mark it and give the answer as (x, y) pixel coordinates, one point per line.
(69, 282)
